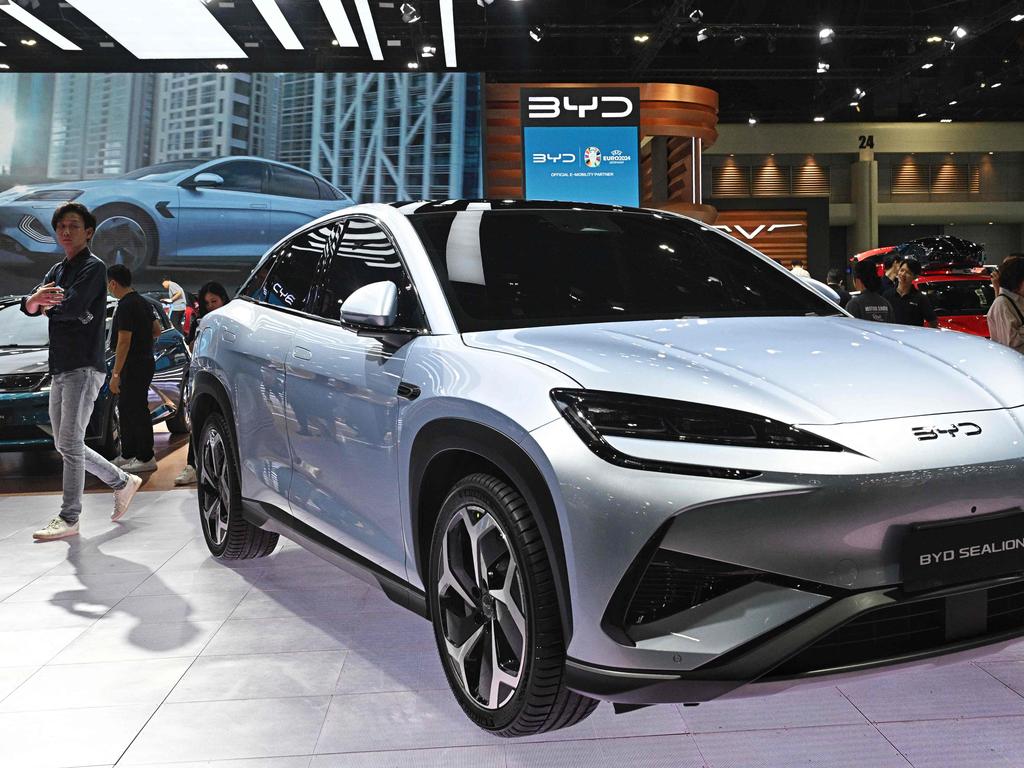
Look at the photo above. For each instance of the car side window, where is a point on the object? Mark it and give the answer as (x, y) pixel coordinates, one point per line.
(291, 271)
(289, 183)
(365, 254)
(240, 175)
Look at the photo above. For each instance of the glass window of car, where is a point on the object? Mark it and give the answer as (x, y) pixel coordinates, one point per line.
(20, 330)
(959, 297)
(289, 183)
(364, 255)
(290, 271)
(240, 175)
(518, 268)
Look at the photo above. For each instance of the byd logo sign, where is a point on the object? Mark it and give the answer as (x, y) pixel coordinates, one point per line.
(752, 233)
(604, 107)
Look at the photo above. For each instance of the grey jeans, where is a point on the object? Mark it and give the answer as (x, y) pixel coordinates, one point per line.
(72, 395)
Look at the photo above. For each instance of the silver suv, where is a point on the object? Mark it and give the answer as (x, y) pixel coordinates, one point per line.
(611, 454)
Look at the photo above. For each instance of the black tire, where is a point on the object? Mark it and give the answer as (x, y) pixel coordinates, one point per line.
(110, 444)
(539, 701)
(228, 535)
(181, 422)
(125, 235)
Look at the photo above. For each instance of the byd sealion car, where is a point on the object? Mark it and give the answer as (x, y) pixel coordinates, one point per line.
(611, 454)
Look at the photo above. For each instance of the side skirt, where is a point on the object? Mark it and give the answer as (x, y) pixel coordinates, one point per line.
(271, 518)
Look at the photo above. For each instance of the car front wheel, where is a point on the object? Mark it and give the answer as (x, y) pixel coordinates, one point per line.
(495, 612)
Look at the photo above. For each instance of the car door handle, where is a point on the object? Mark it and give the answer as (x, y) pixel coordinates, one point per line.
(228, 336)
(301, 353)
(259, 205)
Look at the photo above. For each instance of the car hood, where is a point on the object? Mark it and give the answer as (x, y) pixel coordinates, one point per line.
(24, 360)
(801, 370)
(12, 194)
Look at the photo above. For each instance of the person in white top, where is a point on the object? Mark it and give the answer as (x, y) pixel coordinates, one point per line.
(176, 302)
(1006, 315)
(799, 269)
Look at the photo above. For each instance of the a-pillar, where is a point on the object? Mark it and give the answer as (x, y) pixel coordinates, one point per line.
(864, 178)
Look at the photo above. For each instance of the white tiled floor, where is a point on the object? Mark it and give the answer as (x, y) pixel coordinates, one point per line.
(131, 646)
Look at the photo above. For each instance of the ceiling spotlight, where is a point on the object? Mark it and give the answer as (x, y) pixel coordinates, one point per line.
(536, 34)
(823, 67)
(29, 41)
(222, 67)
(739, 41)
(855, 104)
(983, 85)
(953, 103)
(484, 3)
(959, 32)
(950, 45)
(697, 15)
(826, 35)
(703, 34)
(334, 42)
(1018, 17)
(945, 120)
(428, 51)
(922, 114)
(641, 38)
(410, 13)
(995, 85)
(933, 39)
(929, 65)
(751, 120)
(413, 65)
(819, 119)
(8, 66)
(859, 93)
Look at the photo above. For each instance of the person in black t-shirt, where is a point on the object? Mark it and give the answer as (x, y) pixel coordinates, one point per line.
(868, 304)
(910, 305)
(134, 327)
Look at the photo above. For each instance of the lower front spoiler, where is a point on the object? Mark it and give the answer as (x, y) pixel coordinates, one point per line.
(774, 661)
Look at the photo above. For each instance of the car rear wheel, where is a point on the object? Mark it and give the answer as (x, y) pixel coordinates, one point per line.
(228, 535)
(495, 612)
(125, 235)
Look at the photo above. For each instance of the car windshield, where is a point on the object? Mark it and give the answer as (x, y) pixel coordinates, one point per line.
(519, 268)
(20, 330)
(162, 171)
(959, 297)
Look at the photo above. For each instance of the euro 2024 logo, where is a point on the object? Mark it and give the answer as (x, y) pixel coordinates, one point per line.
(592, 157)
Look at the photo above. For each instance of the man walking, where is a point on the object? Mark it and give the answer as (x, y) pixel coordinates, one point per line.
(176, 302)
(73, 297)
(132, 332)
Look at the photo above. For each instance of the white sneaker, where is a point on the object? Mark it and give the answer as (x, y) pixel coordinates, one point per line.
(58, 528)
(134, 465)
(120, 461)
(123, 497)
(187, 476)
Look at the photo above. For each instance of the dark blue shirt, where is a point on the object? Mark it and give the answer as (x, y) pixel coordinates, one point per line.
(77, 325)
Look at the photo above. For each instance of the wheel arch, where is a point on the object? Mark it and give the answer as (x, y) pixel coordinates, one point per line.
(209, 395)
(104, 208)
(448, 449)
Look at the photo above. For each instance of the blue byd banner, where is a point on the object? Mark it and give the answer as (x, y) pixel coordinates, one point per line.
(581, 144)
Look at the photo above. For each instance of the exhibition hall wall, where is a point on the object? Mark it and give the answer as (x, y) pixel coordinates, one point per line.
(131, 145)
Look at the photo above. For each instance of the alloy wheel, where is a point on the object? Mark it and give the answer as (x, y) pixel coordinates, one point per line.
(483, 620)
(214, 487)
(121, 240)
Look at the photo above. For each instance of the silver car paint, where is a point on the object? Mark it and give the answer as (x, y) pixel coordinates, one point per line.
(862, 385)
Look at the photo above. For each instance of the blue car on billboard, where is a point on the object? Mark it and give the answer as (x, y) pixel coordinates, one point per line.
(25, 384)
(225, 212)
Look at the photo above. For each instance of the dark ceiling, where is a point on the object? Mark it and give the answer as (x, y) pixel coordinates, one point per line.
(762, 57)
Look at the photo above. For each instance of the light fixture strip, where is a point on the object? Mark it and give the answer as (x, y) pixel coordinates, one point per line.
(448, 33)
(43, 30)
(278, 23)
(369, 30)
(340, 25)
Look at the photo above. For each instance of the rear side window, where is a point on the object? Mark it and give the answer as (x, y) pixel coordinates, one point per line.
(290, 272)
(289, 183)
(959, 297)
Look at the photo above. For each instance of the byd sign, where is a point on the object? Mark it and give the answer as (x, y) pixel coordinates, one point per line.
(549, 107)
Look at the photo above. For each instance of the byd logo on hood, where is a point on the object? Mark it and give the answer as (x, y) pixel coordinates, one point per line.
(553, 107)
(751, 234)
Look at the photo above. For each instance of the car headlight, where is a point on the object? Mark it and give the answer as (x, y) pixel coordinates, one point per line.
(595, 415)
(52, 194)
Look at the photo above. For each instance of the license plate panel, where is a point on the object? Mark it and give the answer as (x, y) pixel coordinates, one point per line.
(949, 552)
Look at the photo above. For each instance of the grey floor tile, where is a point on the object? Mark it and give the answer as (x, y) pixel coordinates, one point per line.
(661, 720)
(49, 615)
(458, 757)
(653, 752)
(840, 746)
(10, 585)
(221, 730)
(364, 723)
(257, 762)
(306, 602)
(197, 581)
(74, 686)
(114, 641)
(280, 636)
(87, 737)
(205, 606)
(34, 647)
(12, 677)
(101, 588)
(260, 676)
(378, 671)
(990, 742)
(316, 574)
(1009, 673)
(957, 690)
(792, 709)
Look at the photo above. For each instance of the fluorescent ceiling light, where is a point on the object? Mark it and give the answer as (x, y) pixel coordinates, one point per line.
(1018, 17)
(41, 29)
(819, 119)
(162, 29)
(927, 65)
(448, 32)
(369, 30)
(277, 22)
(340, 25)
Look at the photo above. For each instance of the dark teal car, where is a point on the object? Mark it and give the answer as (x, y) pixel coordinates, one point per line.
(25, 385)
